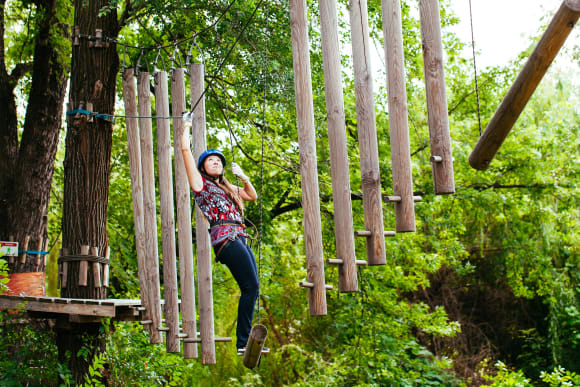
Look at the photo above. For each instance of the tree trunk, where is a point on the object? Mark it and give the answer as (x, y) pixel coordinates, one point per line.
(26, 170)
(94, 69)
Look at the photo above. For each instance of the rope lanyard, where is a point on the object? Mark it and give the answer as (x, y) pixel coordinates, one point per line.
(475, 68)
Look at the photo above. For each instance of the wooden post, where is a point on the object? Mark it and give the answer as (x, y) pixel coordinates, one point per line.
(183, 201)
(308, 168)
(398, 124)
(203, 246)
(149, 205)
(440, 140)
(134, 150)
(167, 219)
(343, 228)
(106, 268)
(83, 267)
(255, 345)
(24, 248)
(367, 132)
(64, 275)
(94, 251)
(525, 84)
(39, 250)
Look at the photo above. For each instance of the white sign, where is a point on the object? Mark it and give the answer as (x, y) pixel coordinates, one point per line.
(9, 249)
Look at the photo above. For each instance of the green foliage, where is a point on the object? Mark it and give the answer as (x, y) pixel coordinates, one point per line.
(560, 377)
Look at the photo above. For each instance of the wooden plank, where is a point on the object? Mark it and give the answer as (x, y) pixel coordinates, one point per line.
(41, 305)
(96, 268)
(164, 148)
(203, 246)
(398, 124)
(440, 139)
(308, 167)
(84, 267)
(183, 203)
(367, 132)
(149, 207)
(343, 227)
(525, 84)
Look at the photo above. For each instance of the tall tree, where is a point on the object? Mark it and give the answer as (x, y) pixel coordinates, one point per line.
(27, 162)
(94, 69)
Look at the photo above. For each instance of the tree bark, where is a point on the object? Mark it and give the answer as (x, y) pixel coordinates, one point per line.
(26, 169)
(94, 69)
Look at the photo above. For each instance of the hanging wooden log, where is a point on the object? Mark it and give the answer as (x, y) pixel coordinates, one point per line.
(398, 124)
(64, 274)
(149, 205)
(106, 267)
(255, 345)
(24, 249)
(525, 84)
(367, 132)
(134, 150)
(183, 201)
(39, 251)
(343, 227)
(308, 168)
(171, 307)
(440, 140)
(203, 245)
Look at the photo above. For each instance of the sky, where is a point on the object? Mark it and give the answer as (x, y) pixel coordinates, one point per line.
(502, 28)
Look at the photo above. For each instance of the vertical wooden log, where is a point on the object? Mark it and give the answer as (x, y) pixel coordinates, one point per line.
(96, 268)
(11, 258)
(167, 218)
(149, 205)
(83, 267)
(45, 250)
(440, 140)
(106, 268)
(134, 150)
(59, 271)
(183, 201)
(367, 132)
(343, 228)
(398, 124)
(308, 168)
(203, 247)
(525, 84)
(24, 248)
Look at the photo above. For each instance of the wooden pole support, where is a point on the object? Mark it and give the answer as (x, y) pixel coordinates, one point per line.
(398, 198)
(525, 84)
(440, 139)
(39, 246)
(256, 341)
(106, 267)
(64, 278)
(398, 122)
(358, 262)
(308, 166)
(83, 267)
(367, 233)
(310, 285)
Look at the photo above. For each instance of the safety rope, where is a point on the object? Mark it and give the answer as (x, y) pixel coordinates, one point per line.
(475, 68)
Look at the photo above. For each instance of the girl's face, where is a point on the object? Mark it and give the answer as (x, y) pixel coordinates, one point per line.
(213, 165)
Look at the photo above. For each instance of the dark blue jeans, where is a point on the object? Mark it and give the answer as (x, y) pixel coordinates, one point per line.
(239, 258)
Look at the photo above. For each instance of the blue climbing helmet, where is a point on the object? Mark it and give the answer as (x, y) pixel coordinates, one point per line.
(208, 153)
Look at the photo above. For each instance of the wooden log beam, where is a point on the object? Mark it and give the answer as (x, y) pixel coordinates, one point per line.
(367, 131)
(204, 275)
(149, 205)
(183, 202)
(525, 84)
(398, 123)
(440, 140)
(171, 309)
(343, 227)
(308, 167)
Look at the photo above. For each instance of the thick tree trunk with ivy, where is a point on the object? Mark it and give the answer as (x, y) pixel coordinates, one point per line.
(26, 168)
(94, 68)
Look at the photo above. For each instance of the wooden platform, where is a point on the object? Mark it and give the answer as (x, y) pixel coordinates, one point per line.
(74, 309)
